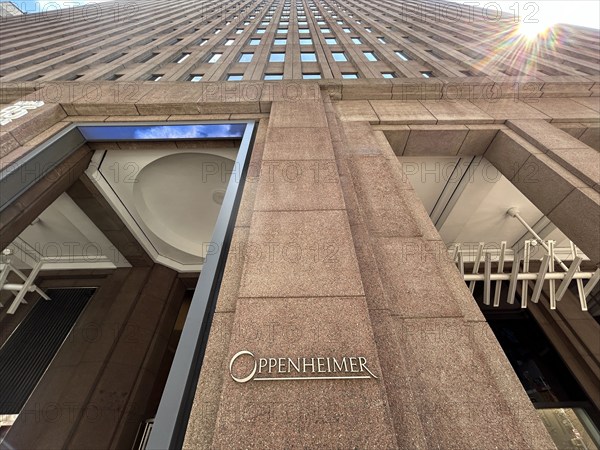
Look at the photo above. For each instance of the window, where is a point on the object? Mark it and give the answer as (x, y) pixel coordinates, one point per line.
(382, 40)
(260, 31)
(311, 76)
(284, 23)
(202, 42)
(330, 41)
(368, 30)
(388, 74)
(325, 30)
(182, 58)
(246, 57)
(350, 76)
(254, 42)
(306, 41)
(273, 76)
(302, 23)
(194, 78)
(229, 41)
(303, 31)
(427, 74)
(217, 30)
(356, 41)
(339, 56)
(277, 57)
(280, 42)
(154, 77)
(282, 30)
(265, 24)
(346, 30)
(401, 55)
(215, 57)
(320, 22)
(308, 57)
(370, 56)
(235, 77)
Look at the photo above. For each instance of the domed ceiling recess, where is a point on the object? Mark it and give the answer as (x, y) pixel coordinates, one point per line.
(168, 199)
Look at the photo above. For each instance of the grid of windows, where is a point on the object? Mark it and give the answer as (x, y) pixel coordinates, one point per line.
(280, 19)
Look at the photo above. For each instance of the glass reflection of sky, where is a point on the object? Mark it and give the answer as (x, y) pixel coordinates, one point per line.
(163, 132)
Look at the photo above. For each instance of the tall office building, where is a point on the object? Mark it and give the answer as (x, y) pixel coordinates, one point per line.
(298, 224)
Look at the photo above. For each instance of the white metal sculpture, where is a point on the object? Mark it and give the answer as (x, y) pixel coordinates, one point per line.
(520, 271)
(19, 290)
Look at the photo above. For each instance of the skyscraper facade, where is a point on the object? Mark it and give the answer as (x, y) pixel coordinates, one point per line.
(299, 224)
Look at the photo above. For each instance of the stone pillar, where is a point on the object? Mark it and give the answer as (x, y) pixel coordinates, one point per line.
(448, 381)
(300, 295)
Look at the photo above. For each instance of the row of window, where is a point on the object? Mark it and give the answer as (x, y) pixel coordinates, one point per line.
(279, 76)
(280, 57)
(283, 41)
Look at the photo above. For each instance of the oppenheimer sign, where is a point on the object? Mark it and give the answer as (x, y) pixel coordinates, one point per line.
(319, 368)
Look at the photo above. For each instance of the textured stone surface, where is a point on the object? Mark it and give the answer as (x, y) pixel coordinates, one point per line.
(397, 137)
(456, 112)
(298, 114)
(294, 254)
(23, 129)
(544, 135)
(359, 139)
(591, 137)
(501, 109)
(478, 139)
(282, 414)
(384, 210)
(582, 162)
(407, 295)
(564, 109)
(299, 185)
(440, 140)
(453, 370)
(578, 215)
(355, 110)
(298, 144)
(545, 182)
(203, 415)
(402, 112)
(508, 152)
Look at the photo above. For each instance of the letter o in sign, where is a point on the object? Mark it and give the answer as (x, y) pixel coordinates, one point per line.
(252, 373)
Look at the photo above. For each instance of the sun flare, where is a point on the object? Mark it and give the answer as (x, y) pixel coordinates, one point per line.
(531, 30)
